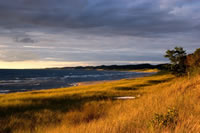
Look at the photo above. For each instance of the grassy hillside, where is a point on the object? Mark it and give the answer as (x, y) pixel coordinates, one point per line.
(162, 103)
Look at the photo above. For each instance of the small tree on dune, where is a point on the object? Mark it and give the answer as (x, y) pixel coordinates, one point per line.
(193, 60)
(177, 57)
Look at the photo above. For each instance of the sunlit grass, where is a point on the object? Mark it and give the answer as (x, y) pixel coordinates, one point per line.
(146, 70)
(93, 108)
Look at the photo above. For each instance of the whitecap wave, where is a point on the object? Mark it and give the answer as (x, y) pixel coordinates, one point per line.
(4, 91)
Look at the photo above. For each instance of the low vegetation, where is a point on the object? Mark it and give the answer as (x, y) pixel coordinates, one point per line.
(168, 119)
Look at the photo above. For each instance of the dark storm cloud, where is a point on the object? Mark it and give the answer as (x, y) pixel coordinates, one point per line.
(132, 17)
(25, 40)
(96, 30)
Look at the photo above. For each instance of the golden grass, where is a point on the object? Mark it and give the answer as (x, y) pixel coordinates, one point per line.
(92, 108)
(145, 70)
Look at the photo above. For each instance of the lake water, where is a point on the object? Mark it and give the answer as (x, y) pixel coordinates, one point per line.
(27, 80)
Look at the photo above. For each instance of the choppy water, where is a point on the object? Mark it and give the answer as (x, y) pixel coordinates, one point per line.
(26, 80)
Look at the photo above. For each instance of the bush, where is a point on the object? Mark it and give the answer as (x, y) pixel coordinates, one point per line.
(164, 120)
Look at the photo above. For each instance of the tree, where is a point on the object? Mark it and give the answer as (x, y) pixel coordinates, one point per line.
(177, 57)
(193, 62)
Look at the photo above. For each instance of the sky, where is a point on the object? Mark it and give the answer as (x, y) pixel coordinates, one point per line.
(57, 33)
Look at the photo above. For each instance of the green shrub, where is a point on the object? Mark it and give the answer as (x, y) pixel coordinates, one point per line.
(164, 120)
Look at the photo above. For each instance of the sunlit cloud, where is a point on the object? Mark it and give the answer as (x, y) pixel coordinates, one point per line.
(37, 64)
(54, 64)
(39, 47)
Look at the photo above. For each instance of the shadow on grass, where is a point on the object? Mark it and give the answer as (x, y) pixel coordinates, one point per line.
(140, 86)
(61, 104)
(45, 111)
(125, 88)
(154, 82)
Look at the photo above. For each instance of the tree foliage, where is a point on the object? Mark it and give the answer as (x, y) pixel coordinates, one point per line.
(177, 57)
(193, 62)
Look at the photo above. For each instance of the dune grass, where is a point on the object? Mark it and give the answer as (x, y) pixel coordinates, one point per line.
(163, 104)
(146, 70)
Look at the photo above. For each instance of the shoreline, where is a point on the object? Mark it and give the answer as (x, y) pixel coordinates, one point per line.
(150, 72)
(106, 81)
